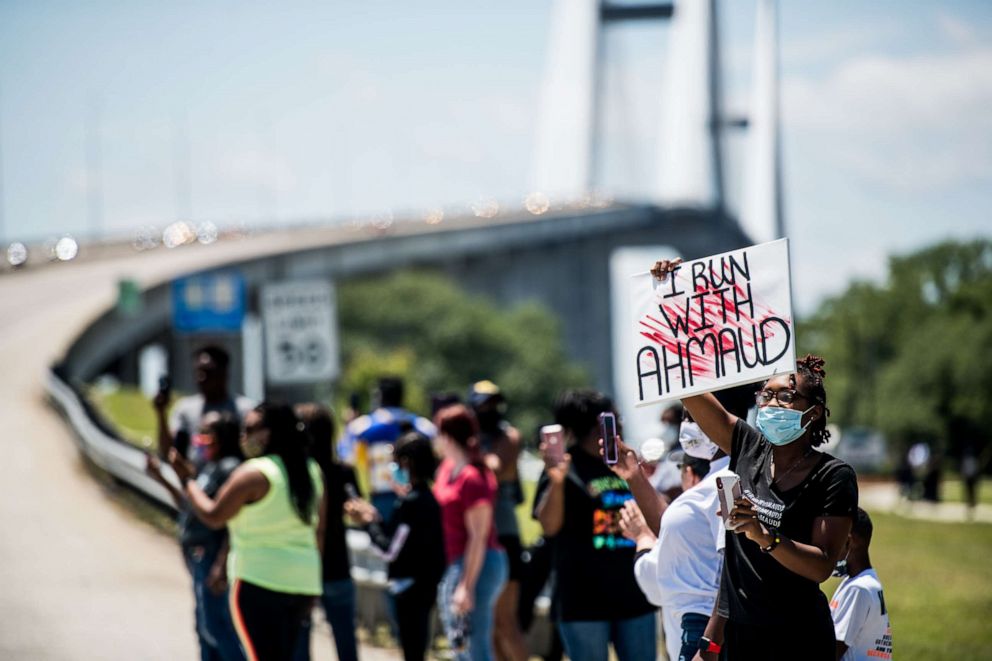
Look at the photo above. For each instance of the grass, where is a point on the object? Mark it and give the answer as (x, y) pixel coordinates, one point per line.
(952, 491)
(129, 411)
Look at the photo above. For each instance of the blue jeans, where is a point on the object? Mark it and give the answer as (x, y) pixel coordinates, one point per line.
(492, 578)
(693, 626)
(214, 628)
(338, 600)
(634, 639)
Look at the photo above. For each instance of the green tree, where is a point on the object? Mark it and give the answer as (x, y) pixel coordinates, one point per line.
(421, 326)
(913, 356)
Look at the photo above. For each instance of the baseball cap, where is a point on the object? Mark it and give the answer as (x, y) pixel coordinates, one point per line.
(695, 443)
(651, 449)
(483, 391)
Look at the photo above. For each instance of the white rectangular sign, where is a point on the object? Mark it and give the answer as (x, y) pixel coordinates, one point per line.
(301, 340)
(714, 323)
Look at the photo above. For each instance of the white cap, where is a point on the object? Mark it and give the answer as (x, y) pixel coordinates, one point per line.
(652, 449)
(695, 443)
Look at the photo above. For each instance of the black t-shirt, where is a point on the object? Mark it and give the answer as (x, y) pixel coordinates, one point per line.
(593, 561)
(192, 531)
(758, 589)
(336, 562)
(421, 557)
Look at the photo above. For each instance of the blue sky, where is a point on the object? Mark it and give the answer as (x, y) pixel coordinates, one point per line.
(302, 110)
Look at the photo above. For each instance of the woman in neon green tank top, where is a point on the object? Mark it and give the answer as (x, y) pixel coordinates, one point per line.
(273, 506)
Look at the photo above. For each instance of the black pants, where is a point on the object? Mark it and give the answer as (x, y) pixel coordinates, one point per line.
(810, 640)
(268, 622)
(413, 618)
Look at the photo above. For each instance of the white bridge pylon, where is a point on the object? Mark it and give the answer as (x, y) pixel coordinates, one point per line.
(689, 155)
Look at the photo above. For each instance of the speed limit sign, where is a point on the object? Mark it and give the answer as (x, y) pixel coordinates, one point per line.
(300, 324)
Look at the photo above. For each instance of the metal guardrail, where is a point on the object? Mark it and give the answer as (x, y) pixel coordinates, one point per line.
(101, 444)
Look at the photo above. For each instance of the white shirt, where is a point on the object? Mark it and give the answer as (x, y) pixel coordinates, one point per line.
(682, 571)
(861, 619)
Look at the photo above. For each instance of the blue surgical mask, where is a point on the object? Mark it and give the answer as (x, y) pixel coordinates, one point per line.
(401, 476)
(781, 426)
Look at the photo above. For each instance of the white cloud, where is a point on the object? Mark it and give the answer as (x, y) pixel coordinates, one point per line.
(915, 122)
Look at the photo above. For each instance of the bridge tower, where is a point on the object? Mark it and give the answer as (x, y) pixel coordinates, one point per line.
(689, 156)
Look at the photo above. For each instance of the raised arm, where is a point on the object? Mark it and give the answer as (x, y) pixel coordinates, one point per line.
(650, 503)
(246, 485)
(550, 509)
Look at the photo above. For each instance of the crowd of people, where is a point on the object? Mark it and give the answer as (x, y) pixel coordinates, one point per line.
(265, 493)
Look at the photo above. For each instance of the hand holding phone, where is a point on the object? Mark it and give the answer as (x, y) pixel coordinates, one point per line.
(553, 443)
(608, 432)
(729, 490)
(164, 393)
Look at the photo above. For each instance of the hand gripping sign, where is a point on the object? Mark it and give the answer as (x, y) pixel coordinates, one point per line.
(713, 323)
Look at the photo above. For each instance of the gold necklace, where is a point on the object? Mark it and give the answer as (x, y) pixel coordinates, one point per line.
(798, 461)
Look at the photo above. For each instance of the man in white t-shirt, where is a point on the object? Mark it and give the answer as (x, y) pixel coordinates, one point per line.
(861, 619)
(680, 570)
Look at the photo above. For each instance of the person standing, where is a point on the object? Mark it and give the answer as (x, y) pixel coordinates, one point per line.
(205, 550)
(411, 541)
(465, 489)
(274, 508)
(369, 439)
(338, 596)
(861, 619)
(679, 569)
(176, 429)
(501, 448)
(578, 501)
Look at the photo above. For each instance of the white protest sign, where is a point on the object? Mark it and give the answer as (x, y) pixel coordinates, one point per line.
(714, 323)
(300, 325)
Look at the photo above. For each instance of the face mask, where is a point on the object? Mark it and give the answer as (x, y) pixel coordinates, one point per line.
(401, 476)
(695, 443)
(252, 445)
(203, 449)
(840, 569)
(669, 433)
(780, 425)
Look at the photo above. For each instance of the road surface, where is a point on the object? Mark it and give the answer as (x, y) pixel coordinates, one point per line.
(80, 576)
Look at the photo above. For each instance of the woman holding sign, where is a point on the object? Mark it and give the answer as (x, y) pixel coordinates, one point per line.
(790, 524)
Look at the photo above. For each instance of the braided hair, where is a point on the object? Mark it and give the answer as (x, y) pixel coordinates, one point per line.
(810, 370)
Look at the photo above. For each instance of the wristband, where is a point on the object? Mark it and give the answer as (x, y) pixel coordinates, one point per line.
(776, 540)
(707, 645)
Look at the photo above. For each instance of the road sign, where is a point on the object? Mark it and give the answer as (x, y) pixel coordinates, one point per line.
(300, 322)
(209, 303)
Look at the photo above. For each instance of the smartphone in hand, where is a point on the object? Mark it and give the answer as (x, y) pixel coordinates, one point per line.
(553, 437)
(608, 432)
(729, 490)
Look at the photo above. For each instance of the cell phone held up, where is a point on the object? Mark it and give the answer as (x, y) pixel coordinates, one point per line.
(729, 490)
(608, 432)
(553, 438)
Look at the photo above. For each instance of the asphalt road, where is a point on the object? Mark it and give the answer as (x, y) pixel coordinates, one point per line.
(80, 576)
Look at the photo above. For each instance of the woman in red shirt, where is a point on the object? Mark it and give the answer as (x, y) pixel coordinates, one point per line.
(477, 567)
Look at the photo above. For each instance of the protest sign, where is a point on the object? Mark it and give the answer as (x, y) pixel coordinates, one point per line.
(714, 323)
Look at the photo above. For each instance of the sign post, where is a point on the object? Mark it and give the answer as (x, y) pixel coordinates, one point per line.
(713, 323)
(300, 324)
